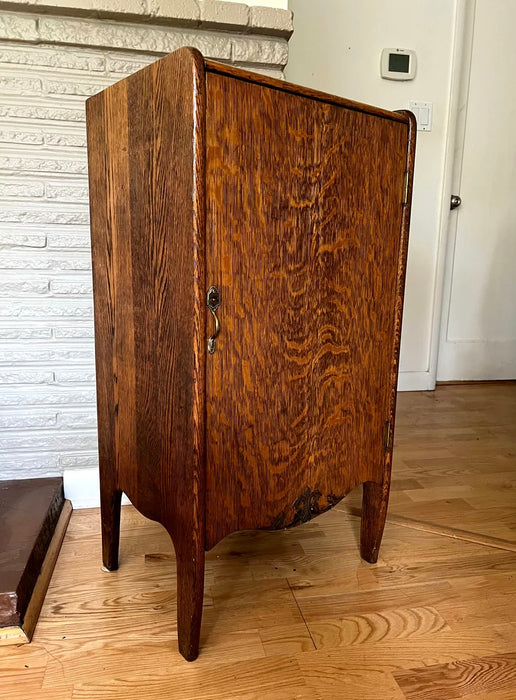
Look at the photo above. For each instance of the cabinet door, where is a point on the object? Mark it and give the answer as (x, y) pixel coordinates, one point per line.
(304, 207)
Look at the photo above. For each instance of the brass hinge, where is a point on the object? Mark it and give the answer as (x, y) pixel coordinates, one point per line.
(404, 198)
(387, 435)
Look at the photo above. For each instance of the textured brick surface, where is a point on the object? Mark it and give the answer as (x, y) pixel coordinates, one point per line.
(31, 420)
(270, 20)
(54, 396)
(12, 261)
(183, 11)
(25, 377)
(68, 240)
(50, 58)
(256, 51)
(12, 332)
(47, 165)
(216, 13)
(121, 7)
(42, 464)
(46, 310)
(47, 359)
(76, 331)
(21, 189)
(160, 40)
(21, 287)
(22, 239)
(57, 356)
(78, 461)
(206, 14)
(14, 26)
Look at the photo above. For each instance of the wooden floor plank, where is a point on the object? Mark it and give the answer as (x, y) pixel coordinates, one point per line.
(330, 678)
(372, 628)
(459, 679)
(244, 679)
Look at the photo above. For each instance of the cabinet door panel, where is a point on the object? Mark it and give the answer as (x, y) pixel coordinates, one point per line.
(303, 239)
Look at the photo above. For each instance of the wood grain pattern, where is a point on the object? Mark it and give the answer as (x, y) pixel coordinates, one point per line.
(291, 203)
(304, 248)
(459, 679)
(375, 496)
(377, 627)
(310, 93)
(147, 200)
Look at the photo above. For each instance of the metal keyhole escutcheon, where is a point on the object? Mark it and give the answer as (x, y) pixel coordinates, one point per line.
(213, 303)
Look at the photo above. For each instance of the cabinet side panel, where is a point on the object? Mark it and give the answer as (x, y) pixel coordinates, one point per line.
(148, 233)
(304, 222)
(110, 226)
(400, 290)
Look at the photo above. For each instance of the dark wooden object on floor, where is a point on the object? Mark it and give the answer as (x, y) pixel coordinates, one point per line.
(30, 517)
(286, 211)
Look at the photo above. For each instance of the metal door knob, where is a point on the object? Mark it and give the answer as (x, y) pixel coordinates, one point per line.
(455, 201)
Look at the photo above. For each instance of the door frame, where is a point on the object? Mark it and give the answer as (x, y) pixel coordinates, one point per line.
(459, 94)
(462, 44)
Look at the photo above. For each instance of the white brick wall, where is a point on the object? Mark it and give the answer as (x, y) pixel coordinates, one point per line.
(48, 65)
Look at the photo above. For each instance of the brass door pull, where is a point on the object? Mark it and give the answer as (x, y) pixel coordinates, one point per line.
(213, 303)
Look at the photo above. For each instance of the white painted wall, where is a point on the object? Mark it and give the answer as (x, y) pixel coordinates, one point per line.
(336, 47)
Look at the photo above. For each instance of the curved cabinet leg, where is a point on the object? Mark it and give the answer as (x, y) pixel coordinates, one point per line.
(375, 498)
(110, 500)
(190, 592)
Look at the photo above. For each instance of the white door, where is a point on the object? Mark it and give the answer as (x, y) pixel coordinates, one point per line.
(478, 338)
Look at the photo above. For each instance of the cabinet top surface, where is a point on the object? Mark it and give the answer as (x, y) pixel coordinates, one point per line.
(310, 93)
(203, 65)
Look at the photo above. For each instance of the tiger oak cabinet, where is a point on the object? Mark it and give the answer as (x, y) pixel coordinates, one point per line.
(249, 241)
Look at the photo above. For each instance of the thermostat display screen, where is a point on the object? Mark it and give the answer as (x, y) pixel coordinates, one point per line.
(399, 62)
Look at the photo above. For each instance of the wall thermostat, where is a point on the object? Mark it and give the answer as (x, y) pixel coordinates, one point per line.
(398, 64)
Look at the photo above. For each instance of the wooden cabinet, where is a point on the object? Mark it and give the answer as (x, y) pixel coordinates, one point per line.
(286, 210)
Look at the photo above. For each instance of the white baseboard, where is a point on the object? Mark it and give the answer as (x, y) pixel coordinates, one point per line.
(82, 488)
(415, 381)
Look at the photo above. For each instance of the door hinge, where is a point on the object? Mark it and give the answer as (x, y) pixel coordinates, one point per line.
(404, 198)
(387, 435)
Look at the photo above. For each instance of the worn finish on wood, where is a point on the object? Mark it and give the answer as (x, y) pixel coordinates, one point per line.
(291, 203)
(29, 512)
(23, 632)
(296, 614)
(45, 574)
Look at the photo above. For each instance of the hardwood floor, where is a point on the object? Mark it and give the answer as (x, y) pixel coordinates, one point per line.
(297, 614)
(455, 459)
